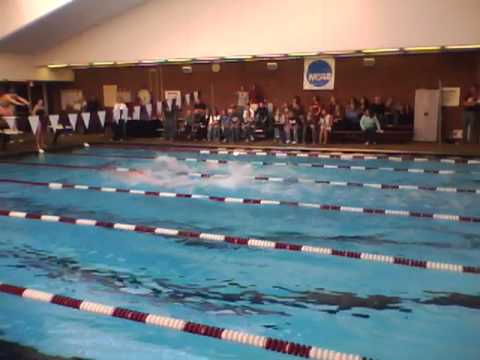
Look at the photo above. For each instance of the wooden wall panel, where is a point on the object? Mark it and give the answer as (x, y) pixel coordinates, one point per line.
(394, 75)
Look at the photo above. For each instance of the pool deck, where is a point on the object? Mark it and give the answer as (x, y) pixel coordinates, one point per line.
(27, 146)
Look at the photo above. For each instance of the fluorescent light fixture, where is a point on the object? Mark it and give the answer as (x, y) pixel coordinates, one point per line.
(57, 66)
(103, 63)
(272, 55)
(303, 54)
(423, 48)
(238, 57)
(208, 58)
(179, 60)
(126, 63)
(151, 61)
(342, 52)
(377, 51)
(460, 47)
(78, 65)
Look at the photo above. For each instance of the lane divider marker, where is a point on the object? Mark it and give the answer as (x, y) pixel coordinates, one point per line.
(377, 186)
(248, 242)
(258, 178)
(253, 201)
(278, 163)
(247, 339)
(315, 154)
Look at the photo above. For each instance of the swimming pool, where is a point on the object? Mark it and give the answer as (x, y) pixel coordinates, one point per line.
(361, 256)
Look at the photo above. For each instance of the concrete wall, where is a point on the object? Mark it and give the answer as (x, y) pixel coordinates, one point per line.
(192, 28)
(21, 68)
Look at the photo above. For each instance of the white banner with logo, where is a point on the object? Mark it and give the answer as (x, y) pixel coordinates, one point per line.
(319, 73)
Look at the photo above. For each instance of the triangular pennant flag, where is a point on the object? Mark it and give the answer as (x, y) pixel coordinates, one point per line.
(116, 115)
(136, 113)
(124, 115)
(101, 117)
(11, 121)
(86, 119)
(54, 122)
(149, 110)
(73, 120)
(34, 122)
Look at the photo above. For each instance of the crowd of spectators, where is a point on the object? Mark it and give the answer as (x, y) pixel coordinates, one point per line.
(252, 117)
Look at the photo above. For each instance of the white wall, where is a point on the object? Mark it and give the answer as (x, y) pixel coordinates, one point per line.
(193, 28)
(18, 13)
(21, 68)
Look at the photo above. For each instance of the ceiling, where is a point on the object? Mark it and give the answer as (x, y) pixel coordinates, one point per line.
(64, 22)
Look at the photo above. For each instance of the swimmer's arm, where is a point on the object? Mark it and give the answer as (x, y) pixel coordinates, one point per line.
(17, 100)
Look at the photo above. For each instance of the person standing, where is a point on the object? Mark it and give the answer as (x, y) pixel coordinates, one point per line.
(471, 106)
(39, 110)
(370, 126)
(120, 129)
(242, 98)
(170, 113)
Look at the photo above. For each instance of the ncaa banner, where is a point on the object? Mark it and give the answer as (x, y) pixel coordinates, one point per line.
(319, 74)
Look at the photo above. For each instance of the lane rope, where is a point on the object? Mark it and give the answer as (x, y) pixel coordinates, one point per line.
(279, 163)
(253, 201)
(310, 154)
(378, 186)
(247, 339)
(248, 242)
(260, 178)
(340, 156)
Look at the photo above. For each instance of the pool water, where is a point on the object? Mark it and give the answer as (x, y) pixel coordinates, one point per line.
(382, 311)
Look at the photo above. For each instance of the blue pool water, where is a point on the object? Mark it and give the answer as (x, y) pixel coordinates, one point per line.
(378, 310)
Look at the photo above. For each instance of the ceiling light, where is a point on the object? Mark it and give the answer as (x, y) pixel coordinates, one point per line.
(102, 63)
(179, 60)
(208, 58)
(423, 48)
(303, 54)
(376, 51)
(460, 47)
(238, 57)
(57, 66)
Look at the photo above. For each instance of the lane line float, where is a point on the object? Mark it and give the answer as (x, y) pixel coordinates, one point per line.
(378, 186)
(307, 154)
(279, 163)
(253, 201)
(248, 242)
(262, 342)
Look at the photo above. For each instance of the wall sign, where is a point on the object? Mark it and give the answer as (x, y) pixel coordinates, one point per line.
(451, 96)
(319, 74)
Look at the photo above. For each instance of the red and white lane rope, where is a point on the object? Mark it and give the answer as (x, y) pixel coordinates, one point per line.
(306, 153)
(279, 163)
(339, 183)
(253, 201)
(338, 156)
(259, 178)
(248, 242)
(247, 339)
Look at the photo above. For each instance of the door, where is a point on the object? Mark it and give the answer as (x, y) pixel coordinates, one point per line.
(427, 115)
